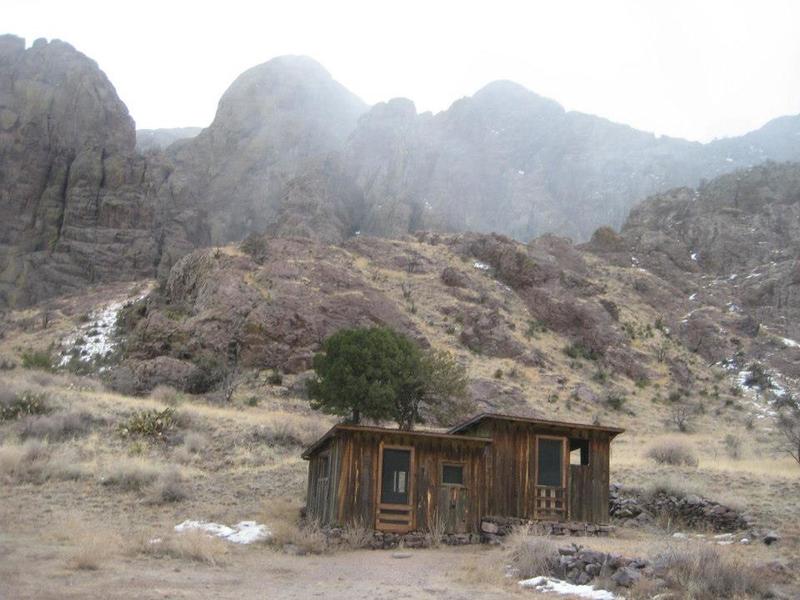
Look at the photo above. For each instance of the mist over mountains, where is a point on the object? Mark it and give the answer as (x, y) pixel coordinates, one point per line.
(294, 153)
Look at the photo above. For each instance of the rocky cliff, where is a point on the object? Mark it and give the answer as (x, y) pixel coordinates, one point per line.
(74, 201)
(292, 152)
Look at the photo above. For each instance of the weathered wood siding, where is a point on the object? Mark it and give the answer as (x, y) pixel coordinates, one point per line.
(511, 470)
(355, 492)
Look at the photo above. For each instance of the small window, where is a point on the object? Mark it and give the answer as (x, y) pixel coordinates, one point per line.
(452, 474)
(578, 451)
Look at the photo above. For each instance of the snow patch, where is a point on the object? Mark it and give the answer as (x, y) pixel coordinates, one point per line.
(521, 172)
(693, 296)
(790, 343)
(481, 265)
(244, 532)
(694, 256)
(550, 584)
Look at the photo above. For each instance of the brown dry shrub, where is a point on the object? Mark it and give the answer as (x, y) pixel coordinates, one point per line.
(704, 573)
(189, 545)
(57, 426)
(166, 394)
(168, 487)
(33, 462)
(131, 474)
(92, 548)
(531, 556)
(357, 535)
(289, 431)
(282, 517)
(672, 452)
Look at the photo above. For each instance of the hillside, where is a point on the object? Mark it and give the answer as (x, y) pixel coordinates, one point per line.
(292, 152)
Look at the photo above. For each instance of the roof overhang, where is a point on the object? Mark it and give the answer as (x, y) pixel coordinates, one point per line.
(611, 431)
(443, 436)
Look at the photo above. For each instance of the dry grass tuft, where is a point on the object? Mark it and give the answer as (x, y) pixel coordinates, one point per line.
(195, 442)
(131, 474)
(672, 452)
(282, 518)
(289, 430)
(57, 426)
(530, 556)
(33, 462)
(190, 545)
(166, 394)
(704, 573)
(92, 549)
(357, 535)
(168, 487)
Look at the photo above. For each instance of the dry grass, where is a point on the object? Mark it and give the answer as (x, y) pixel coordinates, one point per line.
(357, 535)
(704, 573)
(288, 430)
(57, 426)
(168, 487)
(166, 394)
(34, 462)
(131, 474)
(282, 518)
(672, 452)
(530, 556)
(92, 549)
(191, 545)
(195, 442)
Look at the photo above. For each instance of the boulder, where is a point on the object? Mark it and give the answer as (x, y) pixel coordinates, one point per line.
(626, 576)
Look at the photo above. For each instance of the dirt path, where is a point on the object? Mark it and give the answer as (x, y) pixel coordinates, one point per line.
(36, 571)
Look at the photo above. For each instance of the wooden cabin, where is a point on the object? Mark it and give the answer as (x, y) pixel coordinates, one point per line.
(490, 465)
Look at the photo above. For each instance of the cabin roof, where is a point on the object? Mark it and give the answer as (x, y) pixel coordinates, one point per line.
(446, 436)
(613, 431)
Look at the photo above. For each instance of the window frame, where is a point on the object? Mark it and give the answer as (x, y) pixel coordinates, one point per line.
(452, 463)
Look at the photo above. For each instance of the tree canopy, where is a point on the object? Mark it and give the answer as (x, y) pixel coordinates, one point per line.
(379, 374)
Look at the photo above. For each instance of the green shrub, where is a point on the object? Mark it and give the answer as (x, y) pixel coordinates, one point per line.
(616, 401)
(498, 374)
(275, 378)
(149, 423)
(579, 350)
(14, 403)
(37, 359)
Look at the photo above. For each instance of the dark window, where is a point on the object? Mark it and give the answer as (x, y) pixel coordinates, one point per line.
(453, 474)
(578, 452)
(550, 462)
(395, 477)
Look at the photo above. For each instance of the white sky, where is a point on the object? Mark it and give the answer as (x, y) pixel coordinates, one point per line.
(695, 69)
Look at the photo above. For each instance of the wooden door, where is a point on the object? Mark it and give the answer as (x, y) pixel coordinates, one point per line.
(550, 490)
(395, 494)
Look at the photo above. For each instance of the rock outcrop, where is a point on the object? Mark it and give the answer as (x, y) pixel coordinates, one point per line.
(75, 204)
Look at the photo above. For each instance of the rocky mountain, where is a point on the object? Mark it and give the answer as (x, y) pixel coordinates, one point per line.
(159, 139)
(74, 204)
(292, 152)
(732, 247)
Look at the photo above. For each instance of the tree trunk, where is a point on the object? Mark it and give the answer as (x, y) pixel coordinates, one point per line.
(356, 418)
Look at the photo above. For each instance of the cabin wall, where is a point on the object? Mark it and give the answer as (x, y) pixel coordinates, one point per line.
(511, 470)
(459, 508)
(323, 481)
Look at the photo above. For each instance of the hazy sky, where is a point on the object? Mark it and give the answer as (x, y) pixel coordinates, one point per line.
(696, 69)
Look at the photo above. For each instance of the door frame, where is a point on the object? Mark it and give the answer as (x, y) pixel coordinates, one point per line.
(564, 473)
(407, 508)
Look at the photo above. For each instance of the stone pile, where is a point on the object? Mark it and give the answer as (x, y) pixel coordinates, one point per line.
(382, 540)
(635, 508)
(494, 529)
(579, 566)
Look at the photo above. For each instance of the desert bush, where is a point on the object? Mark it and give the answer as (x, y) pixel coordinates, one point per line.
(256, 247)
(357, 535)
(288, 431)
(282, 517)
(6, 364)
(149, 423)
(275, 378)
(672, 452)
(682, 416)
(578, 350)
(92, 548)
(616, 401)
(130, 474)
(15, 402)
(36, 359)
(193, 545)
(32, 462)
(195, 442)
(531, 556)
(57, 426)
(166, 394)
(436, 529)
(758, 376)
(168, 487)
(733, 446)
(704, 573)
